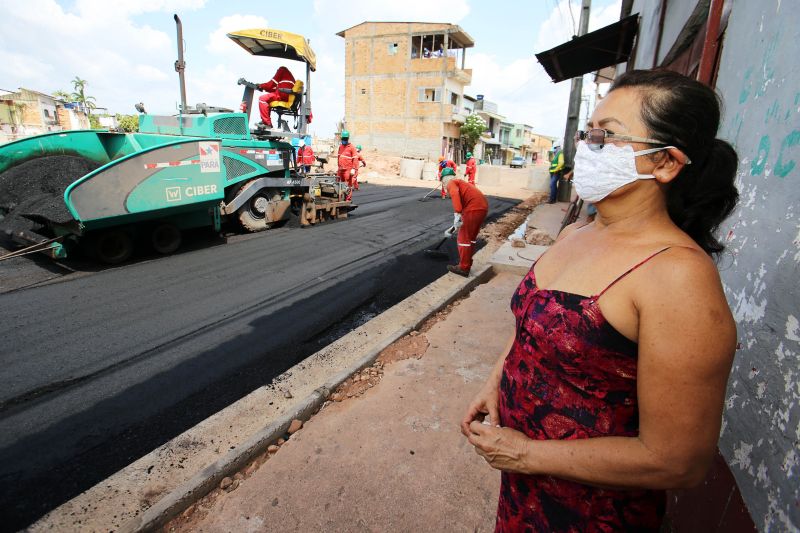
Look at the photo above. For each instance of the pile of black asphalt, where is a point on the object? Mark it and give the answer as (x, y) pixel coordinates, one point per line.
(33, 191)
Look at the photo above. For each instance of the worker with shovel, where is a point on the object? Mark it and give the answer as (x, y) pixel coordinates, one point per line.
(470, 207)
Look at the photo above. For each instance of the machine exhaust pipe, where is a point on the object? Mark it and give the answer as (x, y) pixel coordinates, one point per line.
(180, 64)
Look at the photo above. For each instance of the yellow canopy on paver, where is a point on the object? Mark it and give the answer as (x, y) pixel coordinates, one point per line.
(276, 43)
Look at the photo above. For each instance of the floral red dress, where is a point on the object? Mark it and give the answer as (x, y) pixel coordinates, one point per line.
(569, 375)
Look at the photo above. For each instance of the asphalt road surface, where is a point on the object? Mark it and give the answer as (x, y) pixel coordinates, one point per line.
(102, 367)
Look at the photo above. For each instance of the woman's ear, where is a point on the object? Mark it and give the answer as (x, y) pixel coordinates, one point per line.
(669, 165)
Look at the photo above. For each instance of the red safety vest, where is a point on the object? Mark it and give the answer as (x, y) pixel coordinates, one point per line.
(466, 197)
(305, 156)
(348, 157)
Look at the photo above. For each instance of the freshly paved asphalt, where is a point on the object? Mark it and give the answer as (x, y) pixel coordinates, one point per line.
(99, 369)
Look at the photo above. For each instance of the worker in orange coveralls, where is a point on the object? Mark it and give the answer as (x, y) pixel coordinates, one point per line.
(348, 163)
(470, 208)
(472, 168)
(282, 79)
(361, 163)
(305, 157)
(443, 164)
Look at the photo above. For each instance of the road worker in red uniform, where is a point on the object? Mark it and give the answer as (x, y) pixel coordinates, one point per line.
(472, 168)
(348, 162)
(361, 163)
(305, 157)
(470, 208)
(443, 164)
(282, 79)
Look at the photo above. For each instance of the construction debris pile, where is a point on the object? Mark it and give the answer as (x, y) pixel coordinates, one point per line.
(34, 190)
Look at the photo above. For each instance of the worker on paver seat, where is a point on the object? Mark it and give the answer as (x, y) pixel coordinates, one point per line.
(361, 163)
(348, 162)
(443, 164)
(470, 208)
(472, 168)
(305, 157)
(283, 79)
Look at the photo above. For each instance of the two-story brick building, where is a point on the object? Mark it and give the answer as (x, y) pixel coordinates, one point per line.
(404, 86)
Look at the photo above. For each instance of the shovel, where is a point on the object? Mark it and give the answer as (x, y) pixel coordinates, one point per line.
(430, 192)
(436, 251)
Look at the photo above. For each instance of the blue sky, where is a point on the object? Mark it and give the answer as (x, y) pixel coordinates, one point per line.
(126, 49)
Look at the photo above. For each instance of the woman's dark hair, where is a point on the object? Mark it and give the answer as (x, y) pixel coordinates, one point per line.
(685, 113)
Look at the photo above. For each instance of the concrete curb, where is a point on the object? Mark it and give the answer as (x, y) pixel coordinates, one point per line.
(176, 501)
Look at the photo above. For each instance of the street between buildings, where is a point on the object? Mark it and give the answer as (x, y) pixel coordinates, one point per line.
(103, 367)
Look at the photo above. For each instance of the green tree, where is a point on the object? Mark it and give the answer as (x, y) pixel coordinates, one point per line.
(471, 131)
(128, 123)
(80, 95)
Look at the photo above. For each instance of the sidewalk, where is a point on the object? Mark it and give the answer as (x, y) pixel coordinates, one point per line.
(392, 459)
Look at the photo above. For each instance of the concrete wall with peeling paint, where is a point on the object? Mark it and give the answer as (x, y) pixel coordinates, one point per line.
(759, 78)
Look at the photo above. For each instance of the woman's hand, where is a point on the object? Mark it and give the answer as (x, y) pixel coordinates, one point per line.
(485, 403)
(503, 448)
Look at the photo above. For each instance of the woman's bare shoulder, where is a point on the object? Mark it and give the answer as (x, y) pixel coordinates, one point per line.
(687, 275)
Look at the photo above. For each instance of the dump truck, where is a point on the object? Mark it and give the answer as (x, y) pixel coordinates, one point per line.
(198, 168)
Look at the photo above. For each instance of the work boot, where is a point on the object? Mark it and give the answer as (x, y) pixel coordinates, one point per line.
(455, 269)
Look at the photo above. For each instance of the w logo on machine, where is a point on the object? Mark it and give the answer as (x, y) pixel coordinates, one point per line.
(173, 194)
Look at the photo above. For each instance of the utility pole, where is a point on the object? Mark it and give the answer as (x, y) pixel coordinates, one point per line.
(574, 109)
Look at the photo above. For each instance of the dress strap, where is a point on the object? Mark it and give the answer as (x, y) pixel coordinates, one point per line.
(629, 271)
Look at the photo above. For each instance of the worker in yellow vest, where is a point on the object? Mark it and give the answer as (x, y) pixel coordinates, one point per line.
(556, 166)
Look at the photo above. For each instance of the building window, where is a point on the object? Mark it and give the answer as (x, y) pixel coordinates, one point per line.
(427, 46)
(427, 94)
(392, 49)
(47, 113)
(454, 99)
(363, 91)
(519, 133)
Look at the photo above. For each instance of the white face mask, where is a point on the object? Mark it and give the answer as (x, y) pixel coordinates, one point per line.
(598, 173)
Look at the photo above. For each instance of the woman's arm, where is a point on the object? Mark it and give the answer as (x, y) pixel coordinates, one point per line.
(687, 338)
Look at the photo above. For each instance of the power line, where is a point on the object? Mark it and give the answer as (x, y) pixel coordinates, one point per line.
(572, 16)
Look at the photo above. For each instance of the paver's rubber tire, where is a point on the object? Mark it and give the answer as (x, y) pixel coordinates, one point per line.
(166, 238)
(113, 246)
(252, 214)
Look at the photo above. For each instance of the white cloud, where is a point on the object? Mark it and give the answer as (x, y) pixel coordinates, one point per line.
(220, 44)
(96, 40)
(521, 88)
(333, 16)
(126, 62)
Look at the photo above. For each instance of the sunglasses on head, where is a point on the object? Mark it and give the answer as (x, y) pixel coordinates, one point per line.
(599, 136)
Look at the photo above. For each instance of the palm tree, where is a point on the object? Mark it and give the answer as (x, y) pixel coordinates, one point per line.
(80, 95)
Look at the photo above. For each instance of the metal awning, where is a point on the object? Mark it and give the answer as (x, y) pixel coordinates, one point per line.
(601, 48)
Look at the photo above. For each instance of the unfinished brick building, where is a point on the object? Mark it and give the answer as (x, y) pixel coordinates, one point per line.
(404, 86)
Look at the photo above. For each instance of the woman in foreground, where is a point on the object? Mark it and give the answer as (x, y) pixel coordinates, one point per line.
(612, 388)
